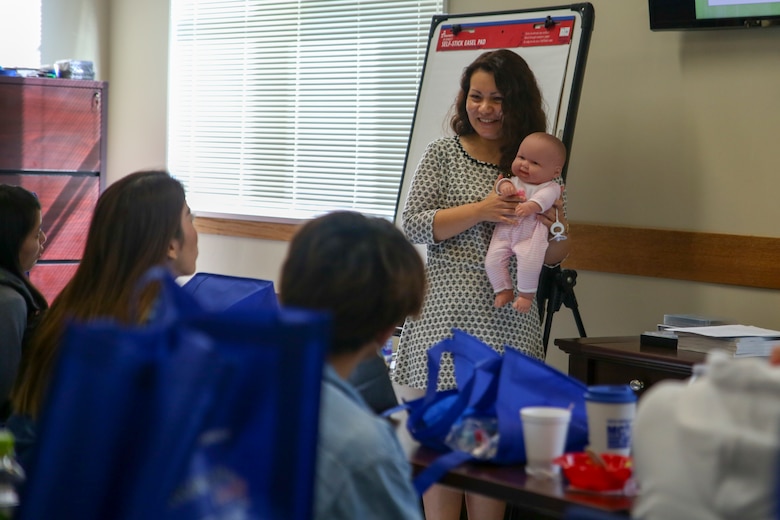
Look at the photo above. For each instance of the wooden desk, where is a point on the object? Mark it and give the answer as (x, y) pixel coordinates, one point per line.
(622, 360)
(530, 497)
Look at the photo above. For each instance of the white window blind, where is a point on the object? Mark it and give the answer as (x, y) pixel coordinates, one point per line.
(292, 108)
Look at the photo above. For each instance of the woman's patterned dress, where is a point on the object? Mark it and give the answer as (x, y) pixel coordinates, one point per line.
(459, 294)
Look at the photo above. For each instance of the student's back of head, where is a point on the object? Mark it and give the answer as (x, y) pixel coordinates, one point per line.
(134, 222)
(365, 273)
(361, 269)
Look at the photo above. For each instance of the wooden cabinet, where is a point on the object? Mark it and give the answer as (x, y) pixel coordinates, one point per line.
(53, 142)
(622, 360)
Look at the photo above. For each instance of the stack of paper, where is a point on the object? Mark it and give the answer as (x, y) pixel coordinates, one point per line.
(690, 320)
(739, 340)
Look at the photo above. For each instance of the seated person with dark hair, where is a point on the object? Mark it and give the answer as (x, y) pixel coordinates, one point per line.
(369, 277)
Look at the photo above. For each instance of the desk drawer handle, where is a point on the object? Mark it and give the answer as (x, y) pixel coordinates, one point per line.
(636, 385)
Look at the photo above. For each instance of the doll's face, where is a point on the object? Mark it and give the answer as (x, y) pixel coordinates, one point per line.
(537, 161)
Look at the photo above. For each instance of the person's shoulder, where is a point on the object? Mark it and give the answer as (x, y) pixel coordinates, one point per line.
(447, 140)
(444, 143)
(340, 408)
(450, 150)
(350, 432)
(11, 299)
(11, 285)
(362, 472)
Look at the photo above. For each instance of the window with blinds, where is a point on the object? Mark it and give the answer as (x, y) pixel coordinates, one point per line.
(290, 109)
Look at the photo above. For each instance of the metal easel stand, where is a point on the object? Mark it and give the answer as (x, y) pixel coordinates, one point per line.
(556, 287)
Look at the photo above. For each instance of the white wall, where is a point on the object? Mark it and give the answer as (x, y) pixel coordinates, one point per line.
(138, 53)
(75, 29)
(676, 130)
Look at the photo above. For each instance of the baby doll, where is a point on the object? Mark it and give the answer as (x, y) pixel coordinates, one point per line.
(539, 160)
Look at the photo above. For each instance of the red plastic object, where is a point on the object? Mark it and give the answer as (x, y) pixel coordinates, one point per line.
(583, 473)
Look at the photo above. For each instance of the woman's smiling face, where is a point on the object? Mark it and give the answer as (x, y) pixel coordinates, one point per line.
(484, 105)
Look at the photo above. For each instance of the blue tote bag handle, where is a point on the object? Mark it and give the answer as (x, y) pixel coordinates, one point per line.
(476, 372)
(172, 303)
(477, 368)
(472, 359)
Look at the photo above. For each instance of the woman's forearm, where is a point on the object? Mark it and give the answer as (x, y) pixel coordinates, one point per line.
(451, 221)
(557, 251)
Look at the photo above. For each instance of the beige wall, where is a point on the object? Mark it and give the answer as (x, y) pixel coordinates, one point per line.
(676, 130)
(138, 52)
(75, 29)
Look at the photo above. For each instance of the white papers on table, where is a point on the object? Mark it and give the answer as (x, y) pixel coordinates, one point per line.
(739, 340)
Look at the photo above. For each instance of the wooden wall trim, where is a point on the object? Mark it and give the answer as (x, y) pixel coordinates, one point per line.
(681, 255)
(246, 228)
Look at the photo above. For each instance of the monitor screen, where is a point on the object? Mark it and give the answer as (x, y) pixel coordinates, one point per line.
(712, 14)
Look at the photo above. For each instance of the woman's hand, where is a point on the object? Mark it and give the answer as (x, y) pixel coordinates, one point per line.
(549, 217)
(497, 208)
(557, 250)
(494, 208)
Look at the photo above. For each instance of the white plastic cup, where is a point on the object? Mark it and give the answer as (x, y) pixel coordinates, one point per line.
(544, 435)
(611, 410)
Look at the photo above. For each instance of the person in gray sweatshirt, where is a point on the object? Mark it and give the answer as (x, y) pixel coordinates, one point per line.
(21, 304)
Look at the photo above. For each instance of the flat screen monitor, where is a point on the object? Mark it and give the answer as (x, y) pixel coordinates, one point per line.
(712, 14)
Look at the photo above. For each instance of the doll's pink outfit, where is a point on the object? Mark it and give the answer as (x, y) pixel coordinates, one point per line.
(527, 240)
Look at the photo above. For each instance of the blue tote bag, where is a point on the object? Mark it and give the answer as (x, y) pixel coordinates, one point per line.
(197, 415)
(489, 387)
(218, 292)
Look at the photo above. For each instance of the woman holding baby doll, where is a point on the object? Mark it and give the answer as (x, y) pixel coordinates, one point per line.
(452, 207)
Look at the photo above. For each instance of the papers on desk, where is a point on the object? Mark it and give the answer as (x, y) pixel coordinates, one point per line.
(738, 340)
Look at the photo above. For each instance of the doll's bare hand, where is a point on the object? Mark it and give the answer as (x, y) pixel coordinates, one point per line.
(507, 190)
(525, 209)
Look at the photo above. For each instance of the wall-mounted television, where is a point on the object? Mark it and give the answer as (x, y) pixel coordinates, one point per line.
(712, 14)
